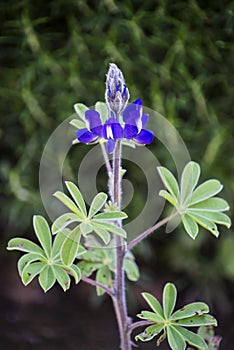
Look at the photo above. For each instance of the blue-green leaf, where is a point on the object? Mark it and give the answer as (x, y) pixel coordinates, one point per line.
(43, 233)
(131, 270)
(63, 221)
(102, 109)
(75, 271)
(196, 321)
(211, 204)
(103, 276)
(47, 278)
(78, 124)
(175, 340)
(77, 196)
(26, 260)
(171, 199)
(208, 225)
(110, 228)
(169, 181)
(154, 304)
(111, 215)
(30, 271)
(88, 267)
(189, 180)
(169, 299)
(58, 242)
(24, 245)
(206, 190)
(62, 277)
(102, 233)
(150, 332)
(97, 203)
(189, 310)
(218, 218)
(80, 109)
(70, 247)
(190, 226)
(151, 316)
(68, 203)
(192, 339)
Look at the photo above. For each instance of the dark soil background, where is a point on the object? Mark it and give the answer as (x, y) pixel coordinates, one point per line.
(178, 56)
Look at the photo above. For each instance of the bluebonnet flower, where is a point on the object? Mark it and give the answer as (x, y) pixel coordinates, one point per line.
(112, 130)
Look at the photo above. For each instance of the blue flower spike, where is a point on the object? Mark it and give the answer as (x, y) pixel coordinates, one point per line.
(117, 97)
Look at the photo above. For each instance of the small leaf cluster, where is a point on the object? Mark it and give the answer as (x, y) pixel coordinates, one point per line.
(103, 262)
(173, 324)
(207, 333)
(45, 261)
(195, 205)
(101, 224)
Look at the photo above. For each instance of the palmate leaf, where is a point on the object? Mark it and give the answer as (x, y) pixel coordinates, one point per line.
(62, 277)
(196, 206)
(110, 227)
(68, 203)
(191, 315)
(47, 278)
(63, 221)
(30, 271)
(70, 246)
(24, 245)
(110, 216)
(26, 260)
(43, 234)
(77, 196)
(97, 203)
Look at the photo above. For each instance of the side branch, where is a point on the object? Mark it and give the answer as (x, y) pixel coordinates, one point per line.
(134, 325)
(97, 284)
(138, 239)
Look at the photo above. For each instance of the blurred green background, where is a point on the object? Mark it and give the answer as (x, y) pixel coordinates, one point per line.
(178, 56)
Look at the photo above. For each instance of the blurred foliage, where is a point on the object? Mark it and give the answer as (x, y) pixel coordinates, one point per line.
(178, 56)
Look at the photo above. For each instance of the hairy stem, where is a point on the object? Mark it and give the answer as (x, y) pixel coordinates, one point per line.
(139, 324)
(146, 233)
(106, 158)
(98, 284)
(119, 300)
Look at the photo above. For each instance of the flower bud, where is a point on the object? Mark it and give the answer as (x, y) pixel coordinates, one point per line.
(117, 94)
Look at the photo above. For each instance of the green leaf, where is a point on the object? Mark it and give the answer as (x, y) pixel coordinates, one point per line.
(77, 196)
(154, 304)
(150, 332)
(168, 197)
(86, 228)
(208, 225)
(110, 227)
(103, 276)
(70, 247)
(68, 203)
(30, 271)
(102, 109)
(189, 310)
(97, 203)
(80, 109)
(192, 339)
(111, 215)
(47, 278)
(43, 233)
(24, 245)
(63, 221)
(151, 316)
(190, 226)
(211, 204)
(62, 277)
(206, 190)
(26, 260)
(58, 242)
(131, 270)
(169, 181)
(196, 321)
(189, 180)
(175, 340)
(75, 271)
(103, 234)
(169, 299)
(219, 218)
(88, 267)
(78, 124)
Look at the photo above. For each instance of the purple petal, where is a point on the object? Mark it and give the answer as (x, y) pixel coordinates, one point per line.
(130, 131)
(132, 114)
(110, 146)
(94, 122)
(112, 130)
(144, 120)
(85, 136)
(145, 137)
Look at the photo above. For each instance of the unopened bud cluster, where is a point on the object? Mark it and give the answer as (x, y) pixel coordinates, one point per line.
(117, 94)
